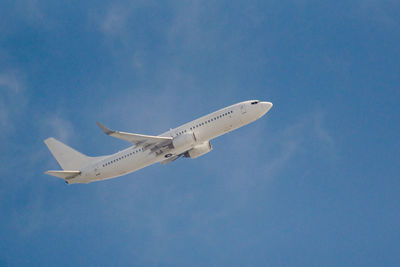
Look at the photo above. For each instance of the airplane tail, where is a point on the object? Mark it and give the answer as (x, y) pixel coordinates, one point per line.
(67, 157)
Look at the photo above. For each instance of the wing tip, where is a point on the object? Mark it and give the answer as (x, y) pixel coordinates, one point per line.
(104, 128)
(47, 140)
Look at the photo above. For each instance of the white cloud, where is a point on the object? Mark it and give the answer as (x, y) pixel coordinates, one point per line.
(379, 13)
(114, 21)
(32, 11)
(9, 81)
(13, 99)
(257, 154)
(58, 127)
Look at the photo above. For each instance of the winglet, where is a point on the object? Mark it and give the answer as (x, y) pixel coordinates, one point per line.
(104, 128)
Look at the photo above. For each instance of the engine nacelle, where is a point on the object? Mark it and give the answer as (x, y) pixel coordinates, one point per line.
(184, 141)
(199, 150)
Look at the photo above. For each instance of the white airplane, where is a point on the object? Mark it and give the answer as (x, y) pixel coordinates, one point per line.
(190, 140)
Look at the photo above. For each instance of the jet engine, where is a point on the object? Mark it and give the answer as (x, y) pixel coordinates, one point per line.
(199, 150)
(185, 140)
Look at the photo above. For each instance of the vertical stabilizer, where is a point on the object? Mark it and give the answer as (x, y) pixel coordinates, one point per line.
(67, 157)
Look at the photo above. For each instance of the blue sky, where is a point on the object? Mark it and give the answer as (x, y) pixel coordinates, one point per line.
(314, 182)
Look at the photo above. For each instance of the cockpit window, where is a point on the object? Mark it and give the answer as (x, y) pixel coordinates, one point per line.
(255, 102)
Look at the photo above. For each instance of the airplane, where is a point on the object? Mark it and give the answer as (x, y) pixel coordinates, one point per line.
(190, 140)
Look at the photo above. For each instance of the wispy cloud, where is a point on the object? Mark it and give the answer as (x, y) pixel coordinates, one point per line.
(32, 11)
(13, 99)
(308, 133)
(58, 127)
(258, 154)
(10, 81)
(28, 12)
(382, 13)
(114, 21)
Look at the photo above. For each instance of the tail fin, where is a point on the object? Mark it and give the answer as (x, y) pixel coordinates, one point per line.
(67, 157)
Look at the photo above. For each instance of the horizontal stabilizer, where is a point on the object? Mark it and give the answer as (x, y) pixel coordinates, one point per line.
(64, 174)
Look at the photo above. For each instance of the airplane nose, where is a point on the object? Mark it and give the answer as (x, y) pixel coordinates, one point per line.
(266, 106)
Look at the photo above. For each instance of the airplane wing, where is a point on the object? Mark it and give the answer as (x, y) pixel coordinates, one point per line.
(148, 141)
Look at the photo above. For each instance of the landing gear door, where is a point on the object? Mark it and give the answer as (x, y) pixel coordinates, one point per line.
(243, 109)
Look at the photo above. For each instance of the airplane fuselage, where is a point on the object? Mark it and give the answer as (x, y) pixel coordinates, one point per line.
(191, 140)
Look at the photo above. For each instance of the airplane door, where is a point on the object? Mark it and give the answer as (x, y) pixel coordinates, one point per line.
(243, 109)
